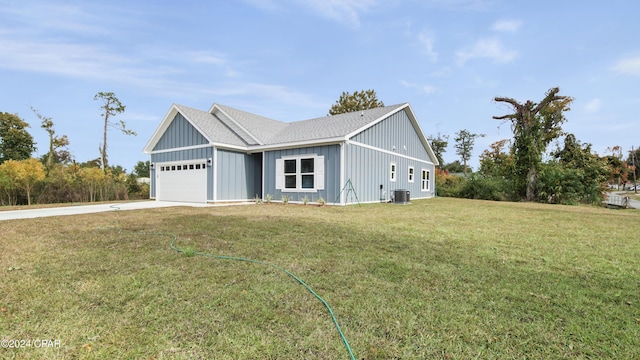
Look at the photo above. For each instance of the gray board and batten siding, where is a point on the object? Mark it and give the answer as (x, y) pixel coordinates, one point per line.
(238, 175)
(243, 163)
(368, 169)
(370, 153)
(331, 154)
(180, 134)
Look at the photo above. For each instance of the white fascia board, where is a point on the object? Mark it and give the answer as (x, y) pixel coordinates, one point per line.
(415, 123)
(424, 140)
(217, 145)
(181, 148)
(231, 147)
(164, 124)
(374, 122)
(351, 142)
(297, 144)
(216, 107)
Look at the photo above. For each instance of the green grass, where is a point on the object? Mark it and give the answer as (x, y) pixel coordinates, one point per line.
(442, 278)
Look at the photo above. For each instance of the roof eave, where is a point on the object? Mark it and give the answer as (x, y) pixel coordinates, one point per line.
(414, 121)
(297, 144)
(218, 108)
(421, 135)
(374, 122)
(164, 124)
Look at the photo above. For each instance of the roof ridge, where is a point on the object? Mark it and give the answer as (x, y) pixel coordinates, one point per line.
(351, 113)
(258, 127)
(237, 129)
(331, 126)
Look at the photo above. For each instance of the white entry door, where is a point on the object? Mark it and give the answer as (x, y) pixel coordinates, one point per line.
(182, 181)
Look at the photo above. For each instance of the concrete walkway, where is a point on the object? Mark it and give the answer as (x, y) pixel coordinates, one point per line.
(88, 209)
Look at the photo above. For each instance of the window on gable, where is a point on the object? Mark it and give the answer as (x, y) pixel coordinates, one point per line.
(303, 173)
(410, 173)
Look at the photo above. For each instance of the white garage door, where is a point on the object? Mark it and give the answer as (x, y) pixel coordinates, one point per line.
(182, 181)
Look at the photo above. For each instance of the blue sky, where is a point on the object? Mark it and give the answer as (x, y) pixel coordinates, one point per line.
(291, 60)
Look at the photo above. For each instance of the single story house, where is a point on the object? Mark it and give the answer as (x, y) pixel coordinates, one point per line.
(229, 155)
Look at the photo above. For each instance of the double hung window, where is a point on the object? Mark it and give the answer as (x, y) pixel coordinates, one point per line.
(424, 180)
(300, 173)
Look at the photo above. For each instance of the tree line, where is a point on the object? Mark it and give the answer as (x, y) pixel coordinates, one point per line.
(56, 177)
(523, 167)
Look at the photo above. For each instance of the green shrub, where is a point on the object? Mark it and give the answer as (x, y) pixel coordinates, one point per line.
(486, 188)
(448, 185)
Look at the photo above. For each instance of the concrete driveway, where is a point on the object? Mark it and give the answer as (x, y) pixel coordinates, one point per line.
(88, 209)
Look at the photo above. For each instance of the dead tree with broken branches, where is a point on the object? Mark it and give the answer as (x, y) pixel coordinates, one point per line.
(534, 126)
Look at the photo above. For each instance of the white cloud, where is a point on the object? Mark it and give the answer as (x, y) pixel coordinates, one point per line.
(442, 73)
(507, 25)
(462, 5)
(77, 60)
(593, 106)
(206, 57)
(343, 11)
(427, 89)
(427, 41)
(628, 66)
(138, 116)
(486, 48)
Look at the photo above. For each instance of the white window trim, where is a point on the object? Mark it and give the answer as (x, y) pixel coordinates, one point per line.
(393, 170)
(425, 182)
(318, 173)
(412, 174)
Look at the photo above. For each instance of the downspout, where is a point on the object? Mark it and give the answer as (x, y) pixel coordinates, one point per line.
(215, 173)
(262, 176)
(342, 168)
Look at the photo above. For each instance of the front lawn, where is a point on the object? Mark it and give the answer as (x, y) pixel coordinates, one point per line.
(440, 279)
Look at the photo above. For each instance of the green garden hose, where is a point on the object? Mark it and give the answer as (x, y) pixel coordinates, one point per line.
(300, 281)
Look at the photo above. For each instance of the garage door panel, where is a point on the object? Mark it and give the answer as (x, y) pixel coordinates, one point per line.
(182, 181)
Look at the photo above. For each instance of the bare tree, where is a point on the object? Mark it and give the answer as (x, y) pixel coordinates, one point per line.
(112, 107)
(464, 146)
(57, 144)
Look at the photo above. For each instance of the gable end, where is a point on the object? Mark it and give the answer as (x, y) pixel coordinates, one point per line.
(399, 133)
(180, 133)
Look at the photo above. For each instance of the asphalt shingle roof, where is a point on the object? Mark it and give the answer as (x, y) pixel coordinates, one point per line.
(211, 127)
(229, 126)
(224, 125)
(260, 127)
(327, 127)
